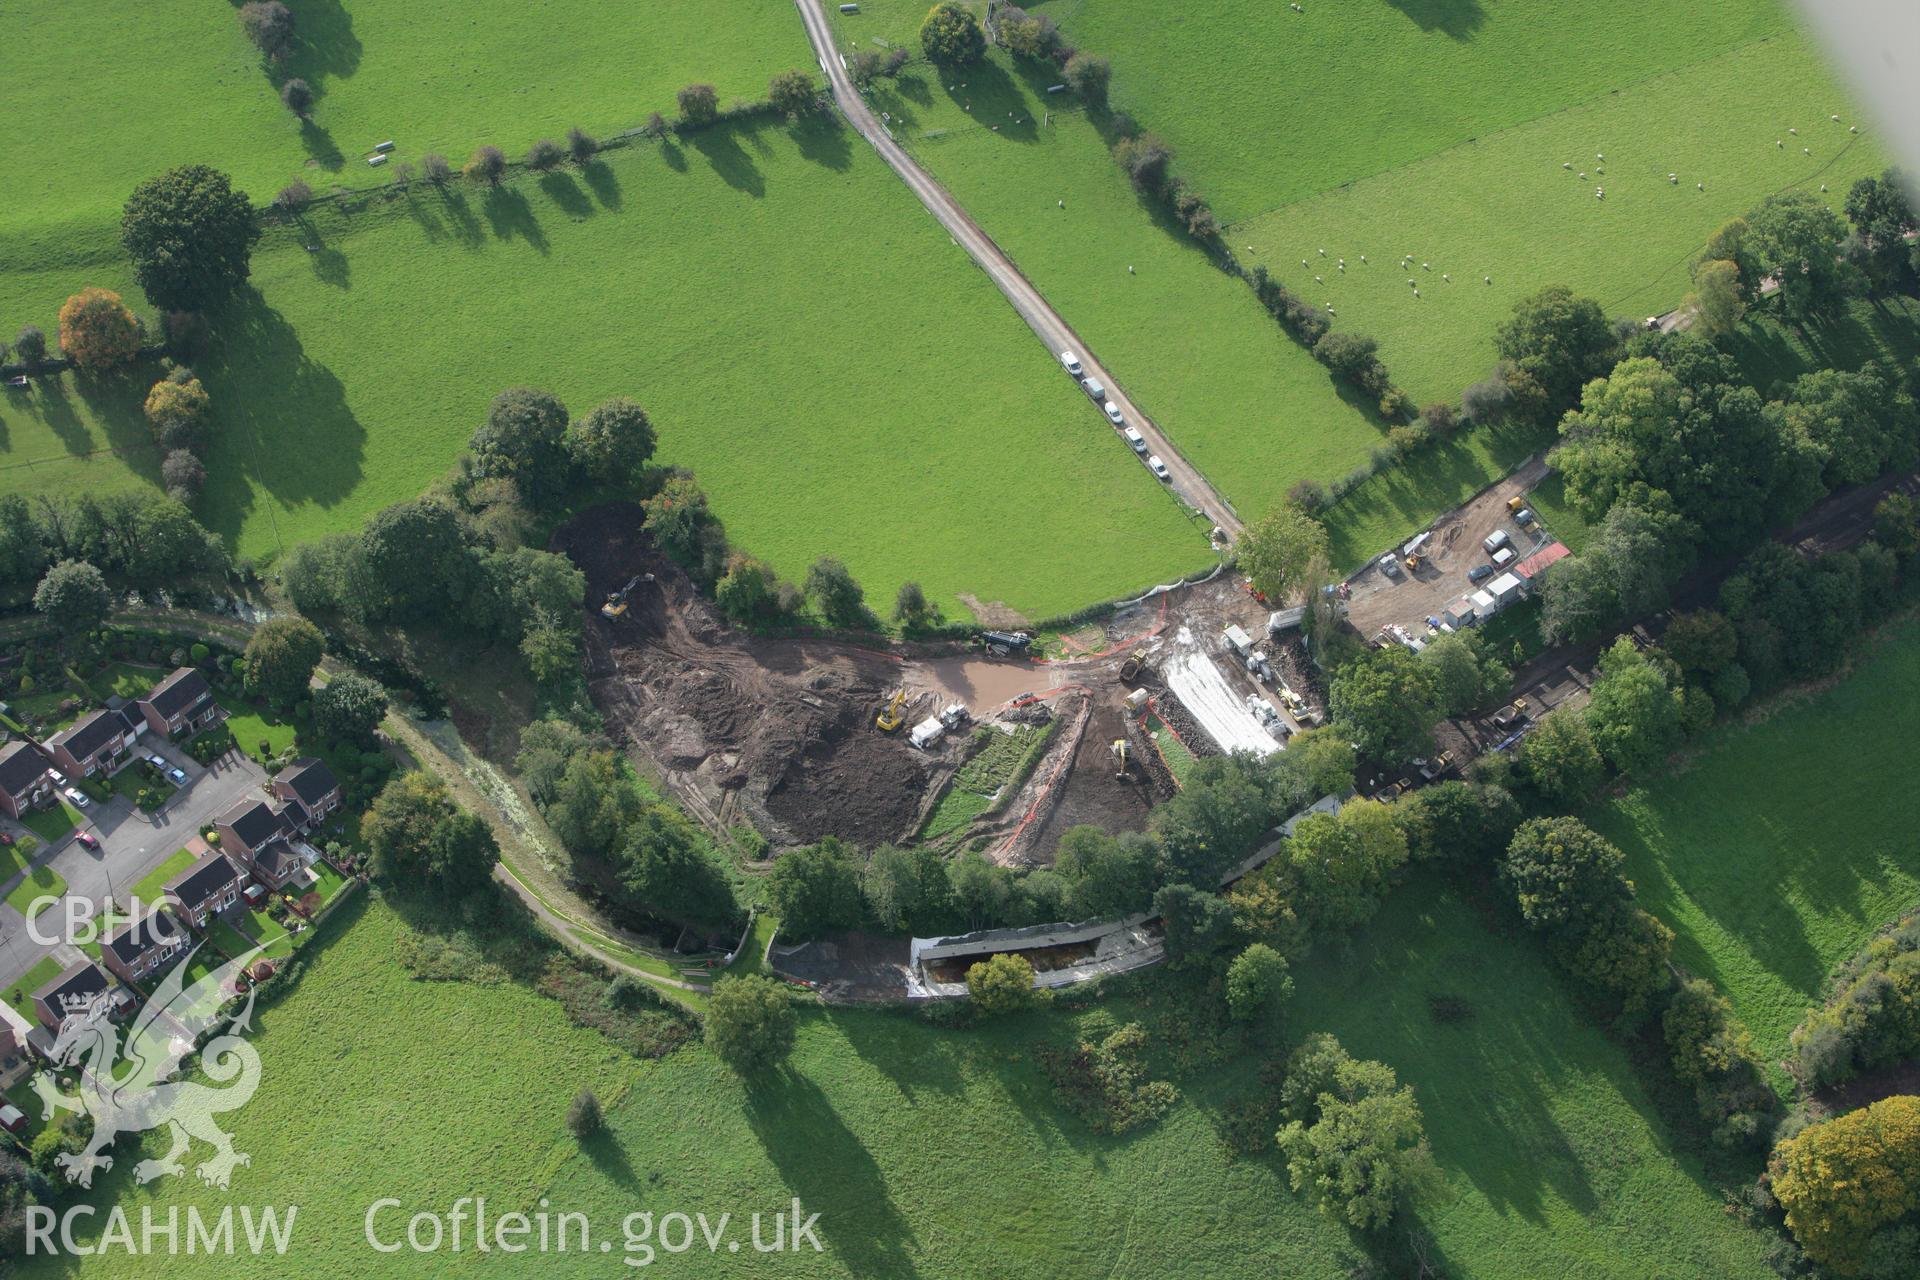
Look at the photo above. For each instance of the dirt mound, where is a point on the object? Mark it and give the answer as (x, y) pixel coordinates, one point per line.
(779, 729)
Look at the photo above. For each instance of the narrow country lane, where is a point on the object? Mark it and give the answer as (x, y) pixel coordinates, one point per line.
(1046, 323)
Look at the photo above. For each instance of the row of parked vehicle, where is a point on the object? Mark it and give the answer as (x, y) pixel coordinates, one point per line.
(1131, 434)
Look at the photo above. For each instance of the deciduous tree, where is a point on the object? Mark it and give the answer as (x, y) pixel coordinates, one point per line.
(951, 36)
(190, 235)
(98, 332)
(750, 1023)
(74, 597)
(280, 658)
(1003, 984)
(1276, 549)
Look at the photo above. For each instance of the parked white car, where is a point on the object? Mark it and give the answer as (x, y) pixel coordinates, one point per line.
(1071, 363)
(1113, 414)
(77, 797)
(1158, 467)
(1135, 439)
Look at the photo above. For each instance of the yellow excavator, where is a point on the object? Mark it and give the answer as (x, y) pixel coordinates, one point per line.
(889, 720)
(617, 603)
(1122, 759)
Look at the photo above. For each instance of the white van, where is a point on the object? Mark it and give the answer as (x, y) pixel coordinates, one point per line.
(1094, 389)
(1134, 438)
(1071, 363)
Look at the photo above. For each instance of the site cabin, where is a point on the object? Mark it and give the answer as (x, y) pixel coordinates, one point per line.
(1484, 605)
(1282, 621)
(1506, 589)
(1460, 613)
(1238, 640)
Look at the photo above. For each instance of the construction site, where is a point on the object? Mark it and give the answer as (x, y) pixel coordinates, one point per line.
(992, 745)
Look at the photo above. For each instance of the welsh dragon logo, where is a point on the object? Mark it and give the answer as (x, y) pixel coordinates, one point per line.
(132, 1091)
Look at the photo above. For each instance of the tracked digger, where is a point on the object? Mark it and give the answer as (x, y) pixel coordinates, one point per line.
(618, 602)
(889, 720)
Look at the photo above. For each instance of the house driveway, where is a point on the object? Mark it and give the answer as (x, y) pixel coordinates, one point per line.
(132, 843)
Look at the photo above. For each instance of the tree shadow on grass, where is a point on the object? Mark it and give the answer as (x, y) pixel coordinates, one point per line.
(1459, 19)
(830, 1169)
(992, 97)
(826, 141)
(281, 419)
(51, 403)
(116, 401)
(674, 155)
(567, 195)
(721, 147)
(319, 144)
(510, 214)
(326, 45)
(601, 181)
(611, 1161)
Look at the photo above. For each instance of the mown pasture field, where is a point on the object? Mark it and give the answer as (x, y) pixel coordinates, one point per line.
(104, 96)
(1785, 844)
(834, 370)
(1503, 209)
(1244, 402)
(1266, 106)
(375, 1084)
(941, 1151)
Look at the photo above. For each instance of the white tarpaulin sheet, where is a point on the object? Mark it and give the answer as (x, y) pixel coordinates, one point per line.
(1205, 693)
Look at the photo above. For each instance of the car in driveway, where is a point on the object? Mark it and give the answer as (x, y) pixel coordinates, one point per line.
(1137, 441)
(76, 797)
(179, 776)
(90, 840)
(1480, 573)
(1158, 467)
(1113, 414)
(1071, 363)
(157, 762)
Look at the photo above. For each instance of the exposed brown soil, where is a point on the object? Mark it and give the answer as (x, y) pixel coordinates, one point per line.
(781, 729)
(1090, 793)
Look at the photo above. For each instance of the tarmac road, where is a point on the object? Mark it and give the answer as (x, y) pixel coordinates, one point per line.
(1052, 329)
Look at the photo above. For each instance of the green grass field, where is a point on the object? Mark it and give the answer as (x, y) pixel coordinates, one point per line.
(1558, 1158)
(934, 1151)
(174, 81)
(1785, 844)
(1502, 208)
(1267, 106)
(1244, 402)
(834, 370)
